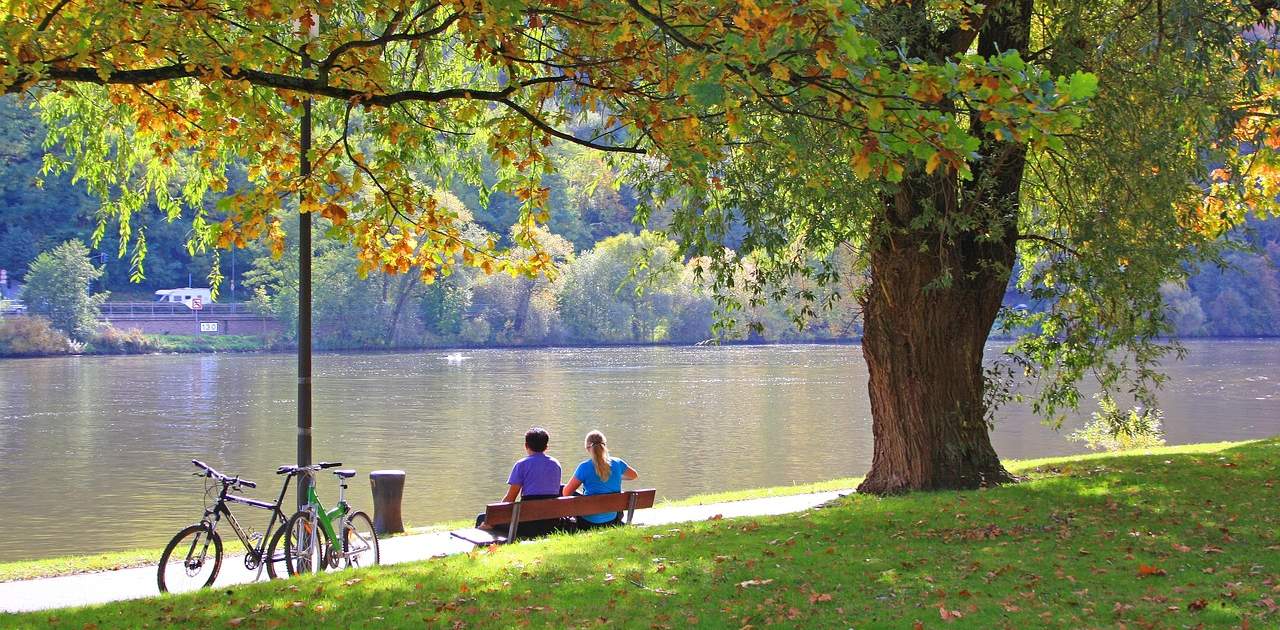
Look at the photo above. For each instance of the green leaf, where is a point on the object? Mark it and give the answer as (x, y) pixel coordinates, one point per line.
(707, 93)
(1082, 86)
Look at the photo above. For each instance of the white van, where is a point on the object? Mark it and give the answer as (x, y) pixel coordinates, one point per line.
(184, 296)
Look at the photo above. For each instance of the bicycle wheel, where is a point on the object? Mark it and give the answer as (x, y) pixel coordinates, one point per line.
(275, 561)
(306, 546)
(359, 541)
(186, 564)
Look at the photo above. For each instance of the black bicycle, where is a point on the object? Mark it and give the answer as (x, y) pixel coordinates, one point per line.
(193, 558)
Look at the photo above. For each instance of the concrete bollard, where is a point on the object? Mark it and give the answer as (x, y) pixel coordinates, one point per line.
(388, 490)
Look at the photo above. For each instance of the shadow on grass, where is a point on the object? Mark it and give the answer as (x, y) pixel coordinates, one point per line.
(1149, 541)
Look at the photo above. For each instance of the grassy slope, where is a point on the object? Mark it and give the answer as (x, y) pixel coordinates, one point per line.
(1066, 549)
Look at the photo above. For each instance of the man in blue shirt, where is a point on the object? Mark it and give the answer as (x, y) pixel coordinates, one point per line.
(536, 476)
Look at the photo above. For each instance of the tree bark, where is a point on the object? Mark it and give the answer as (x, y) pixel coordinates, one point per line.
(923, 342)
(933, 298)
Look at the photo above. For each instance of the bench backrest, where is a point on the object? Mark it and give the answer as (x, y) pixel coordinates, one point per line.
(500, 513)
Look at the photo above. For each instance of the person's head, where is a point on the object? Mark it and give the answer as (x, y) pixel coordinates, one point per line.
(599, 451)
(536, 439)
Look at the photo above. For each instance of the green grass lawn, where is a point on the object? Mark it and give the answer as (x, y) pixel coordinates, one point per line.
(1175, 538)
(110, 561)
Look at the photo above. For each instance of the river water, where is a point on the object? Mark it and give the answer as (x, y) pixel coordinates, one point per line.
(94, 451)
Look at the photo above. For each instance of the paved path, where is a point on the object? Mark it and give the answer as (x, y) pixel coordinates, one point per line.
(109, 586)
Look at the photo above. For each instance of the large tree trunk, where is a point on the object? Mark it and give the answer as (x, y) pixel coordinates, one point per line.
(923, 345)
(933, 298)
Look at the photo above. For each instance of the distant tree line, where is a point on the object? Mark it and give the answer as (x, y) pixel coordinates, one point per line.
(601, 295)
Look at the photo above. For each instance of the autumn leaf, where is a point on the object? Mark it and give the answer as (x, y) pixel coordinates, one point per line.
(755, 582)
(1146, 570)
(949, 615)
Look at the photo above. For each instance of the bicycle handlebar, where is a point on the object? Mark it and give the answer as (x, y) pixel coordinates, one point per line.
(289, 470)
(231, 481)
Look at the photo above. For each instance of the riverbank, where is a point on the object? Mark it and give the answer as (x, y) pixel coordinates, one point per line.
(32, 337)
(1086, 541)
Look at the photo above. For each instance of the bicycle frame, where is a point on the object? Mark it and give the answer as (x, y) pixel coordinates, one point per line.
(327, 518)
(253, 555)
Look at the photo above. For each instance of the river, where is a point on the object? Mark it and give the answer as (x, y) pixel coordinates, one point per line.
(94, 451)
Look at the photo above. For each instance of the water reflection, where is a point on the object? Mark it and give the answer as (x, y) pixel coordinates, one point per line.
(94, 450)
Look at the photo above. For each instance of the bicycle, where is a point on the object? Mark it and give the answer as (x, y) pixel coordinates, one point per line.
(309, 541)
(187, 573)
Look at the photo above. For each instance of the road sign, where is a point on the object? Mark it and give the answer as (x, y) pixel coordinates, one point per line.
(208, 326)
(197, 303)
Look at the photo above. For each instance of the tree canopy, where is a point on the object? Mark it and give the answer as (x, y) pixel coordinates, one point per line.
(931, 146)
(162, 99)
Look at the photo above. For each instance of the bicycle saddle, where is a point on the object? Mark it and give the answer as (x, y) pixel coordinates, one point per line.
(345, 473)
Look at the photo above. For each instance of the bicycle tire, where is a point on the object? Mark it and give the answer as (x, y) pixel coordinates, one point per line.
(360, 526)
(194, 532)
(310, 559)
(275, 555)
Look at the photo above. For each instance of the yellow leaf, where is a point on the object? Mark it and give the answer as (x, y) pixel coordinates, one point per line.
(824, 60)
(934, 162)
(779, 71)
(862, 165)
(875, 109)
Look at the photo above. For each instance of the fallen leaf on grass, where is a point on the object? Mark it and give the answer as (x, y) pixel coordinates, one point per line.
(1181, 547)
(234, 623)
(1145, 570)
(716, 517)
(755, 583)
(819, 597)
(1199, 604)
(949, 615)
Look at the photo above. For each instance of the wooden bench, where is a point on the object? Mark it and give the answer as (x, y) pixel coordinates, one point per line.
(511, 514)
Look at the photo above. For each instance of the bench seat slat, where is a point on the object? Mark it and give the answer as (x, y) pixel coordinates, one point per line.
(500, 513)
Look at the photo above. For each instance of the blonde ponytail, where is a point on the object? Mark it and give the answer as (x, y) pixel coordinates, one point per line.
(599, 455)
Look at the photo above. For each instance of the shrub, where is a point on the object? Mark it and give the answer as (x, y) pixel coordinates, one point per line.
(111, 340)
(28, 336)
(1113, 430)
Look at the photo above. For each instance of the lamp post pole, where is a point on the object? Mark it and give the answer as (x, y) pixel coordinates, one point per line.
(304, 287)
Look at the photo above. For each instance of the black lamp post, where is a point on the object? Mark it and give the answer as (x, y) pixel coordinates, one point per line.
(304, 288)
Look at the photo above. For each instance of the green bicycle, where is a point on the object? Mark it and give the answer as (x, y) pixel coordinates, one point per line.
(316, 539)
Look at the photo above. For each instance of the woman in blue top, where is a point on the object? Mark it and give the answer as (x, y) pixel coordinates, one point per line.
(599, 475)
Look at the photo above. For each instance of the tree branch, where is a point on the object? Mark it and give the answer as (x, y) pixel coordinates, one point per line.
(1052, 241)
(44, 24)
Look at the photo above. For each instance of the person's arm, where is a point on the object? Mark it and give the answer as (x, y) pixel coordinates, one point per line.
(630, 474)
(513, 491)
(571, 487)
